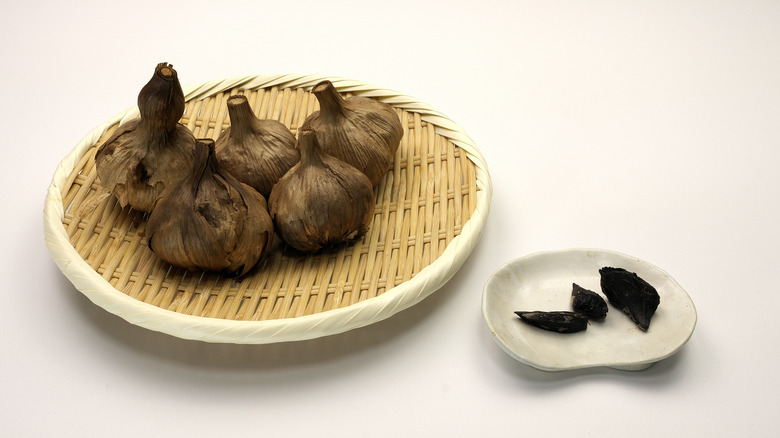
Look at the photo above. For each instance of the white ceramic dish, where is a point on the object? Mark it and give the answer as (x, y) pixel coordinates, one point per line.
(543, 281)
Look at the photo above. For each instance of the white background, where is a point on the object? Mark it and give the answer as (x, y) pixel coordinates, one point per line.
(648, 128)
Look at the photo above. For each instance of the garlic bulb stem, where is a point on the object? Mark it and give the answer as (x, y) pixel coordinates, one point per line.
(161, 100)
(241, 117)
(331, 102)
(307, 144)
(202, 162)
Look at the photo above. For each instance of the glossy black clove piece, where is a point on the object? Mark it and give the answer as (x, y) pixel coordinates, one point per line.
(588, 303)
(630, 293)
(561, 322)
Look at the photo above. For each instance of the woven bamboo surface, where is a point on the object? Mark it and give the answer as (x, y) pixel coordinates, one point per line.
(438, 182)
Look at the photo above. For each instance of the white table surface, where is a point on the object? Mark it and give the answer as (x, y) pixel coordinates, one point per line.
(648, 128)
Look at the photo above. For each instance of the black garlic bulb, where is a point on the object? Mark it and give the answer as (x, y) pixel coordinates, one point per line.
(210, 221)
(321, 201)
(148, 155)
(257, 152)
(361, 131)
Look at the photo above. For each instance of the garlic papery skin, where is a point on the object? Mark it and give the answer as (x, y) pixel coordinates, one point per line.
(147, 155)
(257, 152)
(321, 201)
(361, 131)
(210, 220)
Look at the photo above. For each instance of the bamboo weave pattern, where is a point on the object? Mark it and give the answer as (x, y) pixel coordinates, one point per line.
(421, 205)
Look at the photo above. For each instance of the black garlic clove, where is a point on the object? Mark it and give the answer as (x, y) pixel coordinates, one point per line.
(630, 293)
(588, 303)
(561, 322)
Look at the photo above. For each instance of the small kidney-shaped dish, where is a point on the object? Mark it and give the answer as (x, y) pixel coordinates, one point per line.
(543, 281)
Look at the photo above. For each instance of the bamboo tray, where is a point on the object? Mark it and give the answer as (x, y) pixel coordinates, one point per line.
(431, 209)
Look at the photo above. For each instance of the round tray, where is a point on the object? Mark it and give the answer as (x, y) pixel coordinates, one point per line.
(431, 209)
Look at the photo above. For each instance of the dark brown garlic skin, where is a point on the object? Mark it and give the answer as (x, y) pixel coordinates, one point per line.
(361, 131)
(152, 153)
(257, 152)
(210, 221)
(321, 201)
